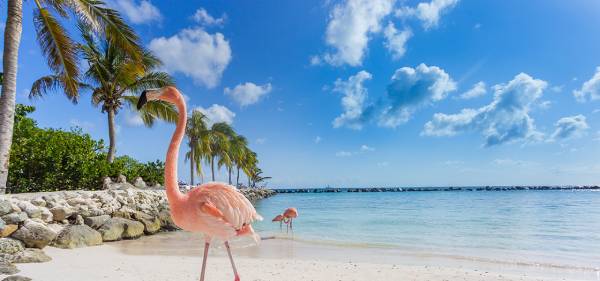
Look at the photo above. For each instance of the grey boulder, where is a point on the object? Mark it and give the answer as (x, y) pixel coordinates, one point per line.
(151, 224)
(5, 207)
(76, 236)
(97, 221)
(166, 221)
(34, 234)
(120, 228)
(14, 218)
(60, 213)
(32, 211)
(30, 255)
(10, 246)
(8, 268)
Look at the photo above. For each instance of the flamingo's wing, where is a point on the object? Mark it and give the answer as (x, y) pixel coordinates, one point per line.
(233, 205)
(215, 221)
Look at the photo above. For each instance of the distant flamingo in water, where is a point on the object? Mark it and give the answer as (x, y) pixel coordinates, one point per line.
(289, 215)
(279, 218)
(215, 209)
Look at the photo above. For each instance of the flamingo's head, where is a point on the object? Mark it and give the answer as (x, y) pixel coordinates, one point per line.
(291, 213)
(169, 94)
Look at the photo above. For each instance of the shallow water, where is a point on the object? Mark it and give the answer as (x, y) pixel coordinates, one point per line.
(559, 229)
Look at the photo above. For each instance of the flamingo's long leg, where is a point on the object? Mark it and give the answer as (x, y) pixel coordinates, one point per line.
(292, 225)
(206, 246)
(235, 273)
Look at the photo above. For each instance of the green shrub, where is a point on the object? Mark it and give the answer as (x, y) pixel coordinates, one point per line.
(151, 172)
(50, 159)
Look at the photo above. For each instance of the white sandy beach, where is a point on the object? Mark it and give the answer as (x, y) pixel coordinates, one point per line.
(172, 257)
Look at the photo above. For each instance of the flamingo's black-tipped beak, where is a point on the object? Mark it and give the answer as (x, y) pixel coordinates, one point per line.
(143, 99)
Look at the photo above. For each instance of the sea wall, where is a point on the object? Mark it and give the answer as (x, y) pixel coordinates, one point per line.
(426, 189)
(70, 219)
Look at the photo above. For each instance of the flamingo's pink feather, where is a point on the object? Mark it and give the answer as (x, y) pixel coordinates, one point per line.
(236, 212)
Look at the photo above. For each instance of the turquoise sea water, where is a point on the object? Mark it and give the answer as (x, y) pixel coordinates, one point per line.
(546, 228)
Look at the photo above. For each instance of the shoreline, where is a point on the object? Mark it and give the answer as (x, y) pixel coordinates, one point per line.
(275, 259)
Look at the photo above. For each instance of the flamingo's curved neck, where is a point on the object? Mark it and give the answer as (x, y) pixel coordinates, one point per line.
(172, 187)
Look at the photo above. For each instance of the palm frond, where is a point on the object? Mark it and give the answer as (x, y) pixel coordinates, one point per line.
(59, 50)
(44, 85)
(58, 5)
(95, 14)
(154, 110)
(97, 96)
(150, 80)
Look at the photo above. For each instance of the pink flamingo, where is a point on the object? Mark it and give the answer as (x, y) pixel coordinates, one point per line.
(289, 215)
(215, 209)
(280, 219)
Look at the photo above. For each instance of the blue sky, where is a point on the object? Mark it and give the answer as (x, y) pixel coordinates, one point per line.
(371, 92)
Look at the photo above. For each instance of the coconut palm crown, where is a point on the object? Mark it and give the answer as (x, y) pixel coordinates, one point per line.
(114, 77)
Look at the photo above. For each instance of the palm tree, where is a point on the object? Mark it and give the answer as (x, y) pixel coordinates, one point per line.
(114, 77)
(239, 149)
(256, 177)
(249, 164)
(198, 141)
(58, 48)
(219, 137)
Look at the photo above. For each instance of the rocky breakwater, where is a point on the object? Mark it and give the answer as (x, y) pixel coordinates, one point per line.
(71, 219)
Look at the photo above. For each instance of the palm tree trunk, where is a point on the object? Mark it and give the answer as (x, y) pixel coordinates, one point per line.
(237, 181)
(212, 167)
(229, 170)
(12, 40)
(111, 135)
(192, 165)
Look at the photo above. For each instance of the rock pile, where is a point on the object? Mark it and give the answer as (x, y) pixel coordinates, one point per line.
(72, 219)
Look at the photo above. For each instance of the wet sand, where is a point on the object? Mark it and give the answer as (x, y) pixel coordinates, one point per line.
(177, 256)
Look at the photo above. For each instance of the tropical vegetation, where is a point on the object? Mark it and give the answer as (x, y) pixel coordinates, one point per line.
(219, 145)
(117, 69)
(59, 49)
(51, 159)
(114, 77)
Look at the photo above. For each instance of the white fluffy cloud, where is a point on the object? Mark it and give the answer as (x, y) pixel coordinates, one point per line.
(410, 89)
(194, 53)
(202, 17)
(428, 12)
(248, 93)
(570, 127)
(137, 12)
(476, 91)
(133, 119)
(350, 26)
(396, 41)
(353, 102)
(363, 149)
(504, 120)
(217, 113)
(590, 90)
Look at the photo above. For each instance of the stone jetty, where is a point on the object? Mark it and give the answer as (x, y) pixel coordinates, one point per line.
(426, 189)
(70, 219)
